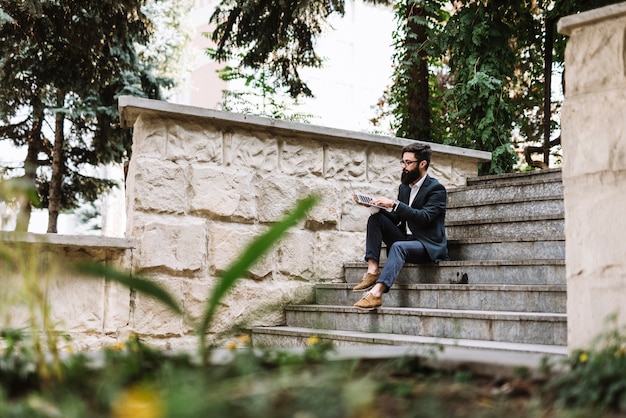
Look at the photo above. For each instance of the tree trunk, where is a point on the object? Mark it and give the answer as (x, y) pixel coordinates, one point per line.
(418, 123)
(56, 180)
(31, 164)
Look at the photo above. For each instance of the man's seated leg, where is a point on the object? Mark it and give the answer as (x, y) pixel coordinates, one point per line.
(399, 253)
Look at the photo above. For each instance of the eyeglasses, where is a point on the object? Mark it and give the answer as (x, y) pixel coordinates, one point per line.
(406, 163)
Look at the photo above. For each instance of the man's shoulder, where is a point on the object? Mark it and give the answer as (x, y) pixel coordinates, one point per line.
(432, 182)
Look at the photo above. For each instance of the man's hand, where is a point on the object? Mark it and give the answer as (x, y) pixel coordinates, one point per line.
(383, 201)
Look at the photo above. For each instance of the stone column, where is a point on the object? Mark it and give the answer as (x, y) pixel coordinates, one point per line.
(594, 170)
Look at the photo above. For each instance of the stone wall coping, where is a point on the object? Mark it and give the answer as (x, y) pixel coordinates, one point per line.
(568, 24)
(91, 241)
(131, 107)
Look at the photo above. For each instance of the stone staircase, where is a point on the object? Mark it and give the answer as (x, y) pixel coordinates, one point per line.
(502, 290)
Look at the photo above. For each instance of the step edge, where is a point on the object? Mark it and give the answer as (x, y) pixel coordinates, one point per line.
(377, 338)
(517, 175)
(472, 263)
(456, 313)
(507, 219)
(498, 202)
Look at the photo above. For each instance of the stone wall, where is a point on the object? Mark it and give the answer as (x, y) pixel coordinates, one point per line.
(594, 170)
(202, 183)
(91, 311)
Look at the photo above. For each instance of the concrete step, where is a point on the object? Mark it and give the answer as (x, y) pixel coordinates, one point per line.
(502, 326)
(506, 209)
(533, 176)
(287, 337)
(505, 190)
(507, 248)
(516, 227)
(540, 298)
(508, 272)
(483, 358)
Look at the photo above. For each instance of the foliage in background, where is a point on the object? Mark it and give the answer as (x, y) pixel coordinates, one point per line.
(277, 36)
(483, 65)
(261, 96)
(169, 52)
(466, 73)
(62, 68)
(596, 377)
(412, 97)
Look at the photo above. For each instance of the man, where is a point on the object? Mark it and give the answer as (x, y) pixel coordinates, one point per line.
(412, 227)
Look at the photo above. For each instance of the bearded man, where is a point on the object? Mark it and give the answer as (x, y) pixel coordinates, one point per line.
(412, 227)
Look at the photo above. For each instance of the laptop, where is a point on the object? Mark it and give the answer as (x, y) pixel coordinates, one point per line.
(366, 200)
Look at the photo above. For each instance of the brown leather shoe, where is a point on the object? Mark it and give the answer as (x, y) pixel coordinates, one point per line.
(368, 281)
(368, 302)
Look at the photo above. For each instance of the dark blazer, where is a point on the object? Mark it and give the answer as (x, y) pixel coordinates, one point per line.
(426, 217)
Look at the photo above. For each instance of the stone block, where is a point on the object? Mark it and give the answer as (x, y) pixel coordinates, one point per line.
(151, 317)
(299, 158)
(117, 300)
(223, 191)
(461, 169)
(384, 169)
(174, 243)
(295, 255)
(252, 151)
(150, 137)
(77, 303)
(156, 185)
(354, 217)
(345, 162)
(227, 241)
(194, 142)
(275, 196)
(326, 214)
(585, 121)
(259, 303)
(333, 249)
(14, 299)
(597, 56)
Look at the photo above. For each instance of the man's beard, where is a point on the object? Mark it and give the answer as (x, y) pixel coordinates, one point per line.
(409, 177)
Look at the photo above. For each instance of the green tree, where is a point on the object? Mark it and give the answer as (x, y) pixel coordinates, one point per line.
(280, 38)
(62, 66)
(472, 78)
(412, 96)
(484, 42)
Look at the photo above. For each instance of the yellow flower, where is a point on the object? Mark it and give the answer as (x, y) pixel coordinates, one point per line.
(232, 345)
(138, 402)
(583, 357)
(119, 346)
(244, 339)
(313, 340)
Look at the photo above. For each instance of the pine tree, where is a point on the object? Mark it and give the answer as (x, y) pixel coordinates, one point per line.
(62, 66)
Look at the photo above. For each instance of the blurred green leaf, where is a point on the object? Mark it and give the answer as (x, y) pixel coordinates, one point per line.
(139, 284)
(255, 250)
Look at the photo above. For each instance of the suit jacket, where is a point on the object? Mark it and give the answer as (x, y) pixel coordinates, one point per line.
(426, 217)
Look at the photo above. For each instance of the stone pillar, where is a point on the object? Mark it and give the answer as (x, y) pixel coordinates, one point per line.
(594, 170)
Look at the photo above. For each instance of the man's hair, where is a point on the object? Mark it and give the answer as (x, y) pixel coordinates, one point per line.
(421, 151)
